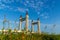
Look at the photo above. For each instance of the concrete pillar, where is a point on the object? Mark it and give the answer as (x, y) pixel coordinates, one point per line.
(32, 27)
(27, 21)
(20, 22)
(39, 26)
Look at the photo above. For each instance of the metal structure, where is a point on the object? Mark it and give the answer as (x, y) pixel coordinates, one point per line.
(36, 23)
(26, 19)
(4, 22)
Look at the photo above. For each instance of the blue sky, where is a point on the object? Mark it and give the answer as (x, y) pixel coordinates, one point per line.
(47, 10)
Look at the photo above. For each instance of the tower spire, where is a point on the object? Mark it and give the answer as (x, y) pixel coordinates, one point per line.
(27, 20)
(20, 22)
(26, 12)
(38, 19)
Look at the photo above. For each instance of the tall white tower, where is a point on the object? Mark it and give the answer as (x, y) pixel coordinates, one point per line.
(27, 21)
(39, 26)
(20, 22)
(32, 27)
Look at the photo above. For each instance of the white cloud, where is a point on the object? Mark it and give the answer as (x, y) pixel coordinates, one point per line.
(22, 9)
(38, 13)
(7, 6)
(27, 1)
(0, 3)
(2, 6)
(7, 1)
(42, 15)
(25, 4)
(40, 3)
(32, 1)
(17, 0)
(45, 17)
(1, 20)
(27, 9)
(32, 5)
(0, 0)
(12, 0)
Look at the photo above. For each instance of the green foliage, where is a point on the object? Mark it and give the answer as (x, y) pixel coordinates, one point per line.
(22, 36)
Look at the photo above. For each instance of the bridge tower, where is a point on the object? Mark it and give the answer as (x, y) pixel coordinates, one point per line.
(38, 25)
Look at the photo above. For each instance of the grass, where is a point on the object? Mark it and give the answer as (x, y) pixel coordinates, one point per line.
(22, 36)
